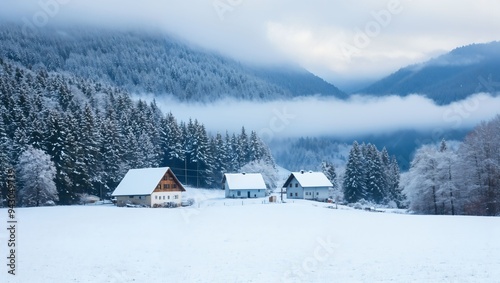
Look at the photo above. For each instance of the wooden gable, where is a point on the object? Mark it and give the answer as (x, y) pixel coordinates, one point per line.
(169, 183)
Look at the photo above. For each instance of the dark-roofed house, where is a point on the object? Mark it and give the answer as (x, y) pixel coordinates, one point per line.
(307, 185)
(149, 186)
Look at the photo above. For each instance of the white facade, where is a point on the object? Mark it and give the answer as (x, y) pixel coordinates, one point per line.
(308, 185)
(161, 198)
(244, 185)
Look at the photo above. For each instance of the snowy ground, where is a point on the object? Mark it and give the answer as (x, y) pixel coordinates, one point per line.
(229, 241)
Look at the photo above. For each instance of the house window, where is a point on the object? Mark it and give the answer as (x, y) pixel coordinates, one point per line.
(165, 177)
(290, 185)
(168, 197)
(291, 194)
(317, 193)
(163, 197)
(239, 193)
(174, 186)
(130, 196)
(176, 196)
(166, 186)
(296, 194)
(296, 185)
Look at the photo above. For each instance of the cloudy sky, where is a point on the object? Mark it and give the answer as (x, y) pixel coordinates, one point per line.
(339, 40)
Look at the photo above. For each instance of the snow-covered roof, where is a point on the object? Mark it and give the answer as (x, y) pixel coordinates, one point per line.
(245, 181)
(309, 179)
(140, 181)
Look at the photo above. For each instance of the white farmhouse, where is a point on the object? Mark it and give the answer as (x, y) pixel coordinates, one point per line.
(149, 186)
(308, 185)
(244, 185)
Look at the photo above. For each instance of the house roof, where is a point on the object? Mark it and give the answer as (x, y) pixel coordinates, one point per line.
(245, 181)
(309, 179)
(142, 181)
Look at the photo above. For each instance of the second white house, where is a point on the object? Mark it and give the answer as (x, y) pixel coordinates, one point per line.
(308, 185)
(244, 185)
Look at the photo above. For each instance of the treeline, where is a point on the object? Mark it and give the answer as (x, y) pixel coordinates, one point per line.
(462, 180)
(94, 133)
(372, 175)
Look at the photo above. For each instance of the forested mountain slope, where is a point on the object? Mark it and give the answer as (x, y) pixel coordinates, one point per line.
(152, 62)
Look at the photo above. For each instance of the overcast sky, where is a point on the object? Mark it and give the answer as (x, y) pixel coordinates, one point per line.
(341, 41)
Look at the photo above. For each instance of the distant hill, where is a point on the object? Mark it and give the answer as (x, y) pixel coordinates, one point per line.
(449, 77)
(152, 62)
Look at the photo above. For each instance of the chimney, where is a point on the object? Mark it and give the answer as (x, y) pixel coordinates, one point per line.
(244, 173)
(301, 171)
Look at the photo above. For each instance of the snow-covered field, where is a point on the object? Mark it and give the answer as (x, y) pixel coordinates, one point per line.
(222, 240)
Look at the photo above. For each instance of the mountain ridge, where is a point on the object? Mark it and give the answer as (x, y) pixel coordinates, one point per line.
(447, 78)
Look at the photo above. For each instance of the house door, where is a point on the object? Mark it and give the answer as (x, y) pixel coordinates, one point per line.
(248, 194)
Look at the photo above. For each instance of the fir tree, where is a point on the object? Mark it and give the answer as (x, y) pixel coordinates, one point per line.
(354, 177)
(375, 175)
(329, 170)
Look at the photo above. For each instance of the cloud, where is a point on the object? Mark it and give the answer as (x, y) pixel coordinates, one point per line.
(312, 33)
(319, 116)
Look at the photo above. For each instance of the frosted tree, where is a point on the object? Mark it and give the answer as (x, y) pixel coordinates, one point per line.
(479, 169)
(448, 191)
(269, 173)
(421, 184)
(36, 174)
(5, 159)
(329, 170)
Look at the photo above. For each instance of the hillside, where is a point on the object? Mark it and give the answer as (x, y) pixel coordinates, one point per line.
(153, 62)
(449, 77)
(93, 133)
(224, 241)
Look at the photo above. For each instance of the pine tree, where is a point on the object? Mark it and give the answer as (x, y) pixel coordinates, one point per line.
(393, 179)
(171, 140)
(111, 152)
(243, 148)
(354, 177)
(202, 156)
(329, 170)
(220, 158)
(91, 140)
(375, 178)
